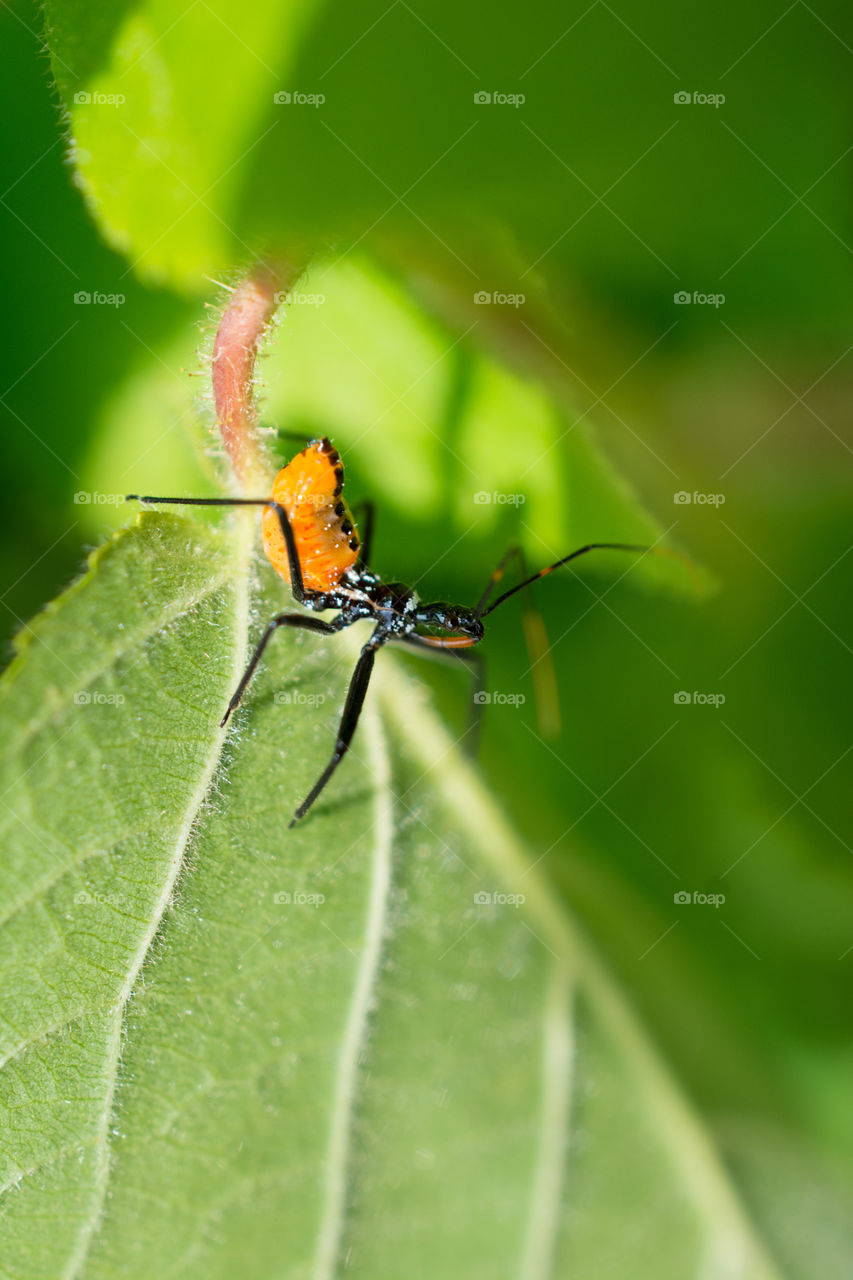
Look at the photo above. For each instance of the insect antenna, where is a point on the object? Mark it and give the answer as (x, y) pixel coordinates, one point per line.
(573, 555)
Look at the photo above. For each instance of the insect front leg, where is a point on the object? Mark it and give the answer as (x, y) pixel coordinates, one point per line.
(283, 620)
(352, 710)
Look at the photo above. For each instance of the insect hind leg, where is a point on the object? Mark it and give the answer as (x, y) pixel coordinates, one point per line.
(545, 688)
(349, 720)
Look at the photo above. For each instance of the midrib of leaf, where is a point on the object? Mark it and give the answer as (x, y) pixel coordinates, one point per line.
(548, 1182)
(243, 542)
(355, 1031)
(732, 1239)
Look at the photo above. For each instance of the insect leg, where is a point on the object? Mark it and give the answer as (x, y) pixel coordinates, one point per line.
(349, 720)
(365, 522)
(301, 437)
(538, 650)
(514, 552)
(283, 620)
(200, 502)
(296, 583)
(476, 665)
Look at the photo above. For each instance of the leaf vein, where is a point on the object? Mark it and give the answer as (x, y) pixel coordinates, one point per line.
(549, 1175)
(63, 703)
(355, 1032)
(67, 868)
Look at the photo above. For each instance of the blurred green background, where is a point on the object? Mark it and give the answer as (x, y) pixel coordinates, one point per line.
(600, 198)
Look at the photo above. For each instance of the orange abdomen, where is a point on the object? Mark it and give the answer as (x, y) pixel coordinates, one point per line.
(309, 488)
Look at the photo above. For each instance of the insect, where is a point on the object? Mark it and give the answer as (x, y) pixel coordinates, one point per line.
(311, 540)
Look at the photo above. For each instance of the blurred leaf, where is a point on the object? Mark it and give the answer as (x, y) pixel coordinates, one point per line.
(59, 359)
(341, 1040)
(149, 433)
(437, 430)
(163, 109)
(805, 1194)
(434, 431)
(580, 163)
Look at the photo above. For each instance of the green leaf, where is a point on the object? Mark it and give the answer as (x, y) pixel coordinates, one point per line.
(170, 106)
(189, 162)
(229, 1048)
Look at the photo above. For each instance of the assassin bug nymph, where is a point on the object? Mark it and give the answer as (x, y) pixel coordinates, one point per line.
(311, 540)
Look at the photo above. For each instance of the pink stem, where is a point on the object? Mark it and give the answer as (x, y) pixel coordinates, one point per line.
(241, 330)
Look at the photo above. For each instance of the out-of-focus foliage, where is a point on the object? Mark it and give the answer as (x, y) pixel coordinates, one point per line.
(299, 120)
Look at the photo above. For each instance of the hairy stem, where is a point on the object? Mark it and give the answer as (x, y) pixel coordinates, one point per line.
(242, 328)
